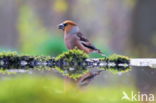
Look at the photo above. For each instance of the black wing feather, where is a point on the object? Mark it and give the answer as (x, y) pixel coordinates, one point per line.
(82, 37)
(90, 46)
(85, 42)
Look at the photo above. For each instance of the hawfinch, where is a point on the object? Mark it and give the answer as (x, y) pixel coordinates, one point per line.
(75, 39)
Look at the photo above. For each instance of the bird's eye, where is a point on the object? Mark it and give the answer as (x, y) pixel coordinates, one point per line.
(65, 24)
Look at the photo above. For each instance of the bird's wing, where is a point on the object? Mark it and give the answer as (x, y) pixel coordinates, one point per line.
(85, 42)
(82, 37)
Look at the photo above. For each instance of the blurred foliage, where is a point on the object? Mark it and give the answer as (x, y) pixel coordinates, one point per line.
(60, 5)
(53, 46)
(113, 22)
(36, 89)
(34, 38)
(130, 3)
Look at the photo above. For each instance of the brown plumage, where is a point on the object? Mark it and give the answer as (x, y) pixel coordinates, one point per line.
(75, 39)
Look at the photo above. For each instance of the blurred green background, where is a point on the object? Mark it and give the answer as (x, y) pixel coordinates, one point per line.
(127, 27)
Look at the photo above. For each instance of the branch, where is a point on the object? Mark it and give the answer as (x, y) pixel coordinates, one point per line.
(73, 63)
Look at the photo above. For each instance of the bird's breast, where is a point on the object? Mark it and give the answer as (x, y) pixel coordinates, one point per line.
(70, 41)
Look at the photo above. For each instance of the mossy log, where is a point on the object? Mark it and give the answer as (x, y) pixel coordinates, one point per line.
(73, 63)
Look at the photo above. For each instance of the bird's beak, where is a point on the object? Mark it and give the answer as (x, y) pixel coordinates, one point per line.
(61, 26)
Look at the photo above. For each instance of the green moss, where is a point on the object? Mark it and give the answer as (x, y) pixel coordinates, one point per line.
(12, 60)
(4, 54)
(68, 63)
(71, 63)
(43, 59)
(72, 54)
(116, 57)
(121, 63)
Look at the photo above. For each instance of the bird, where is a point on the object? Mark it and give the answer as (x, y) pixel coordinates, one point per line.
(73, 38)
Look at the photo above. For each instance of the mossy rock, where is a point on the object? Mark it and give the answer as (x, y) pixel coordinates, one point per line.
(119, 58)
(12, 60)
(121, 63)
(72, 63)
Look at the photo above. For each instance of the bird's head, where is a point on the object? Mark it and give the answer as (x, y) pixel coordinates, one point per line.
(68, 26)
